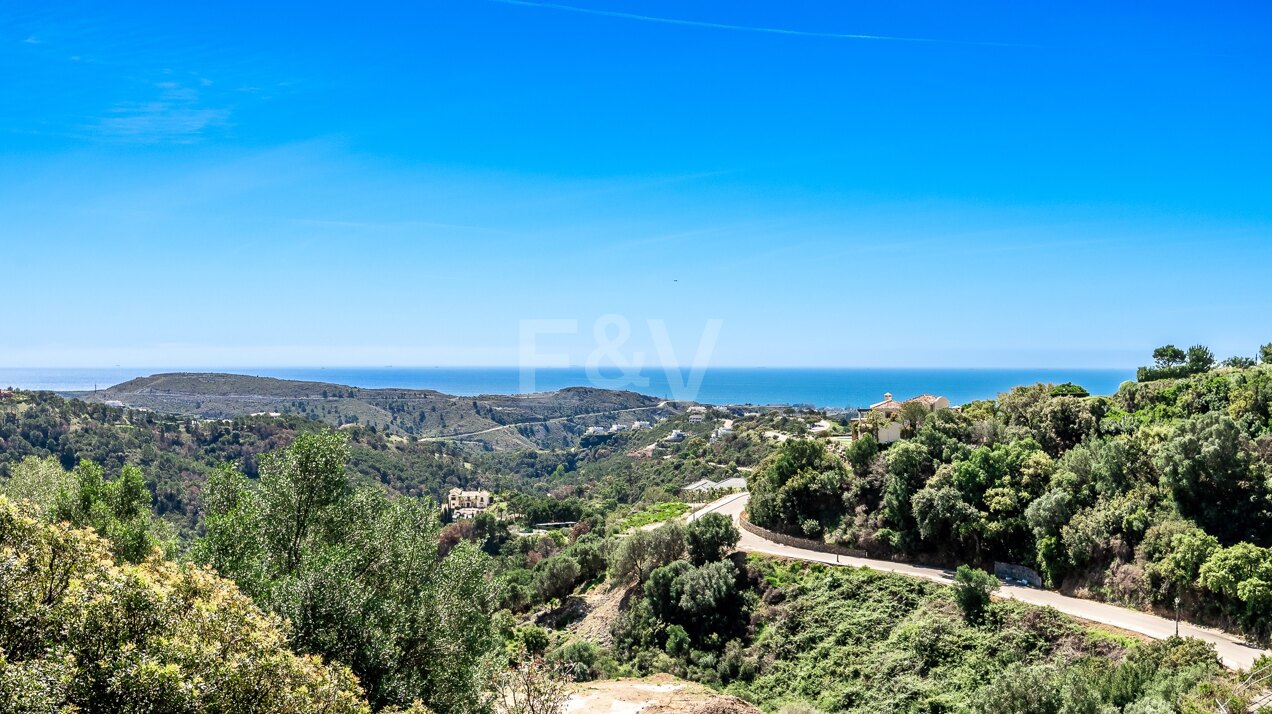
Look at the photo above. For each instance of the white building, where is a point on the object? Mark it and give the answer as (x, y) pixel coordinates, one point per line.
(467, 504)
(889, 407)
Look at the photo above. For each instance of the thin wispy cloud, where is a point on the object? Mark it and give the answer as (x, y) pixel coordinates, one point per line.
(741, 28)
(175, 115)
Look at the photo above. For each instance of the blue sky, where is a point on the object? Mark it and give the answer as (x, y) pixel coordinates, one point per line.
(838, 183)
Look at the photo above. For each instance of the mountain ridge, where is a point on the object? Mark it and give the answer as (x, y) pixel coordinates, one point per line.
(499, 421)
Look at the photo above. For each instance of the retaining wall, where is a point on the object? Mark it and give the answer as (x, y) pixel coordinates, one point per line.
(796, 542)
(1018, 572)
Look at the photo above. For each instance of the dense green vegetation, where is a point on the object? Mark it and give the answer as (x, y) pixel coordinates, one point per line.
(317, 559)
(358, 575)
(848, 640)
(1159, 491)
(177, 455)
(655, 513)
(81, 631)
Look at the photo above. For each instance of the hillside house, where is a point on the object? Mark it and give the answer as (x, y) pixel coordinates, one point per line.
(467, 504)
(888, 429)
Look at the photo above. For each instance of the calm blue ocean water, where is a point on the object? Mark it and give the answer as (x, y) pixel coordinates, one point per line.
(736, 385)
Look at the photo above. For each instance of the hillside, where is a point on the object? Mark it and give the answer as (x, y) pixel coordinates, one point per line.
(542, 420)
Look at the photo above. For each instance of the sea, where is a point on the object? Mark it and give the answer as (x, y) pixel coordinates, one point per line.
(831, 388)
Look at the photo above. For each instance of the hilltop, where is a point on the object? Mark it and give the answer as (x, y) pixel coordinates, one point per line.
(541, 420)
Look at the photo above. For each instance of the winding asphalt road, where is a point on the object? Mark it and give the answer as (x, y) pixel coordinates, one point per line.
(1233, 650)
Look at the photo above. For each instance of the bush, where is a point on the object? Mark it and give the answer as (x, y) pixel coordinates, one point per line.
(643, 551)
(80, 630)
(972, 591)
(678, 643)
(576, 659)
(557, 576)
(709, 538)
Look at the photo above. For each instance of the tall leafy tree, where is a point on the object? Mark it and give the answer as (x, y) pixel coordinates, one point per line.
(118, 509)
(358, 574)
(1210, 467)
(710, 538)
(800, 484)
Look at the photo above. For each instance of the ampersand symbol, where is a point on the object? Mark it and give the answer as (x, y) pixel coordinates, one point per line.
(609, 347)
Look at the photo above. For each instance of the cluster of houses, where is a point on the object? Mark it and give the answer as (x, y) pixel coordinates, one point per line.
(616, 428)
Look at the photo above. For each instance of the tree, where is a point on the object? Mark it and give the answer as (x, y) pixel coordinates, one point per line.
(1265, 353)
(591, 561)
(1063, 422)
(1242, 573)
(913, 414)
(557, 576)
(641, 552)
(708, 596)
(943, 516)
(1239, 362)
(1069, 389)
(972, 591)
(41, 482)
(861, 452)
(118, 509)
(710, 537)
(661, 591)
(1200, 359)
(908, 465)
(678, 642)
(1210, 467)
(359, 575)
(1168, 356)
(799, 483)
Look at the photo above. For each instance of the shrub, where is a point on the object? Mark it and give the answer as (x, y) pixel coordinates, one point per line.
(709, 538)
(972, 591)
(557, 576)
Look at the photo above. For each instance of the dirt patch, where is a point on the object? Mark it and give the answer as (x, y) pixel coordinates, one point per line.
(602, 607)
(659, 694)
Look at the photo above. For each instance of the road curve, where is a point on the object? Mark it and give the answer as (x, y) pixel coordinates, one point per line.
(1233, 650)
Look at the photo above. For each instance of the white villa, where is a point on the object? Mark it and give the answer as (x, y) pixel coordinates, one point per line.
(467, 504)
(889, 407)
